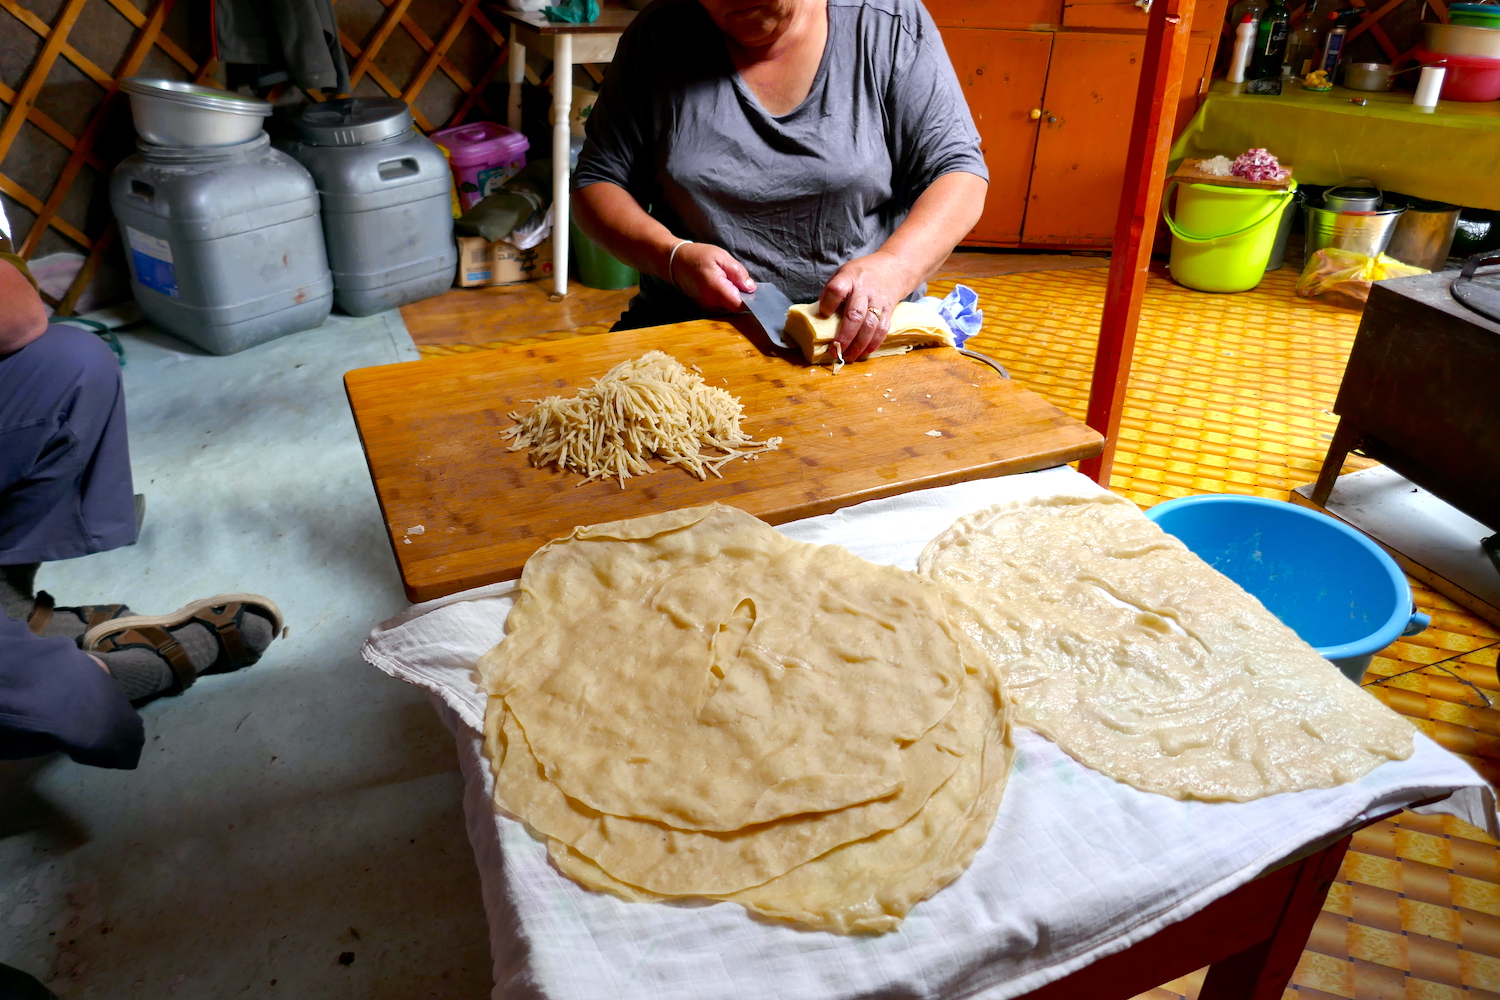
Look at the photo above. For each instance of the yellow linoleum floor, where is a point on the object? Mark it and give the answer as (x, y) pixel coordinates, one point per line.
(1233, 394)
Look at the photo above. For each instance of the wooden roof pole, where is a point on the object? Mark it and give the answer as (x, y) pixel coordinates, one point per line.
(1135, 227)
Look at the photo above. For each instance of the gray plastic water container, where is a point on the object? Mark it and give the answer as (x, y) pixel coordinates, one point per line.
(224, 242)
(387, 206)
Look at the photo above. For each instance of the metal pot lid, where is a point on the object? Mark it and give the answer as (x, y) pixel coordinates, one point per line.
(354, 121)
(194, 95)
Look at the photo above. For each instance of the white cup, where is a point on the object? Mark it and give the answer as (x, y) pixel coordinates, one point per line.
(1428, 87)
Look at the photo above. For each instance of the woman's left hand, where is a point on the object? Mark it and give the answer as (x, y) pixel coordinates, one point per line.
(865, 292)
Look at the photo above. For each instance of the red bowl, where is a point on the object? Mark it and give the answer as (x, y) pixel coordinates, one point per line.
(1469, 78)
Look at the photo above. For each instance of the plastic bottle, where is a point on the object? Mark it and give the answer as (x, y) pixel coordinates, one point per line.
(1270, 42)
(1244, 44)
(1255, 8)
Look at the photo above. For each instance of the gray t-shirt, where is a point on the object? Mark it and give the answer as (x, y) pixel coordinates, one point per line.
(792, 198)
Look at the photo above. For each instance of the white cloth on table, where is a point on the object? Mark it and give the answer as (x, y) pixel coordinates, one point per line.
(1077, 866)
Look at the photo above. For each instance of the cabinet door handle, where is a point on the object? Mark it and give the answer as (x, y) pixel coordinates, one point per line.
(1036, 113)
(1051, 119)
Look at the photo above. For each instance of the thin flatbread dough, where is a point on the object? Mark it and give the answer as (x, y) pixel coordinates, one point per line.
(690, 863)
(1143, 662)
(700, 670)
(868, 886)
(912, 325)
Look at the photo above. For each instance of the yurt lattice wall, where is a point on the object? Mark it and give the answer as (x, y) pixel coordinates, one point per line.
(66, 123)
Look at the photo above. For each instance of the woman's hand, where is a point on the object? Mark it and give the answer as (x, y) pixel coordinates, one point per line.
(865, 291)
(710, 277)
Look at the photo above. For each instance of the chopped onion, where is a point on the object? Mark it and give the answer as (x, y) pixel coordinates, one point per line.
(1219, 166)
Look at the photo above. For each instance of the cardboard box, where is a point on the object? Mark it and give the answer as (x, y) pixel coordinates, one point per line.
(483, 263)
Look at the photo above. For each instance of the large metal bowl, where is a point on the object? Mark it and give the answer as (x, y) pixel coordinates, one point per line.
(1463, 40)
(172, 113)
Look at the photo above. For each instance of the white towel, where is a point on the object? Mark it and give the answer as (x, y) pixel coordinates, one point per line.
(1077, 866)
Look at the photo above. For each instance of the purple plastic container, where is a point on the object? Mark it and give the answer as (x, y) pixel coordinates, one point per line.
(483, 156)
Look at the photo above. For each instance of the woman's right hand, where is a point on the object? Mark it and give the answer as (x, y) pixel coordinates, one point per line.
(710, 277)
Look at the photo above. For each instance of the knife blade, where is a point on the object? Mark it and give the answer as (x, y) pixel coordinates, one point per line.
(768, 304)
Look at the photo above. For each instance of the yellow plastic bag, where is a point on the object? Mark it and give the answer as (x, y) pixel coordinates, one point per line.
(1343, 277)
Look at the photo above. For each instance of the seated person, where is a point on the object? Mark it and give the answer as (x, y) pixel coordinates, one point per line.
(69, 675)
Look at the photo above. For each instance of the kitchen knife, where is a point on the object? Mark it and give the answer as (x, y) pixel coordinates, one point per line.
(768, 305)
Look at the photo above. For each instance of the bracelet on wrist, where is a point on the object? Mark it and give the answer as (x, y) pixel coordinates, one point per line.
(672, 259)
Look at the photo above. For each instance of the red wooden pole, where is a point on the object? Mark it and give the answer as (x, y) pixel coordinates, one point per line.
(1135, 227)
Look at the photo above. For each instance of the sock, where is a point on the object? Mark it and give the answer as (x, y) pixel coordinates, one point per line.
(16, 594)
(72, 623)
(144, 673)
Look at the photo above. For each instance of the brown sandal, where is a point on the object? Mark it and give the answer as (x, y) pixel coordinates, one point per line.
(44, 609)
(221, 615)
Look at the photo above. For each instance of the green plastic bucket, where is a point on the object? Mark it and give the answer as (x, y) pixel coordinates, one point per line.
(1223, 236)
(595, 268)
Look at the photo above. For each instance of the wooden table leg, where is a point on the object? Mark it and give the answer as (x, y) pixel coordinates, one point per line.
(1262, 971)
(1345, 439)
(517, 77)
(562, 107)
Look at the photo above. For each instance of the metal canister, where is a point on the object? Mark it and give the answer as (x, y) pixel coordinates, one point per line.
(1358, 195)
(386, 192)
(1333, 48)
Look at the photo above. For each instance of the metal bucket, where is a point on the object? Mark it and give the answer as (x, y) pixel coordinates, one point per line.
(1366, 234)
(1283, 233)
(1424, 234)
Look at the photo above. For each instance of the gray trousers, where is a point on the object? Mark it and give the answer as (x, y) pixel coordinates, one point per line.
(65, 491)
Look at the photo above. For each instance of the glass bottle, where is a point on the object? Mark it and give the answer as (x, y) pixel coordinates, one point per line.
(1305, 44)
(1270, 42)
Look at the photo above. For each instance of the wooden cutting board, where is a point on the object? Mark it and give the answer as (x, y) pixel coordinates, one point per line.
(463, 510)
(1191, 172)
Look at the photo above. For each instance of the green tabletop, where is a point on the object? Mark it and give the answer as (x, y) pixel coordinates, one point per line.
(1451, 154)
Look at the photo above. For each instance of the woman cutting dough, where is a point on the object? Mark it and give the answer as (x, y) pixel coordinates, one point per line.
(822, 145)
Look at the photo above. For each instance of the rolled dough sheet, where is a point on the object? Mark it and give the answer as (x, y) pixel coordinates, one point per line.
(700, 670)
(1143, 662)
(912, 325)
(660, 859)
(869, 886)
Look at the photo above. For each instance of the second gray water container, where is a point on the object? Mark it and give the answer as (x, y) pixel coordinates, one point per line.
(224, 243)
(387, 203)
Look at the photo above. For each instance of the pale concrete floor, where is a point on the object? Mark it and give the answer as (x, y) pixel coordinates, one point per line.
(301, 811)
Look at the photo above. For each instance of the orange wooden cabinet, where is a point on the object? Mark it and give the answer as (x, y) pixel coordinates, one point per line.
(1052, 87)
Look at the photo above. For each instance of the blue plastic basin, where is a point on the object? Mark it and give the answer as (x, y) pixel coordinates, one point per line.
(1330, 584)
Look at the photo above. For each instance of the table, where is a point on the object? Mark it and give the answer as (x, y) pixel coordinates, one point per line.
(1250, 939)
(462, 510)
(1420, 395)
(567, 45)
(1448, 155)
(1062, 852)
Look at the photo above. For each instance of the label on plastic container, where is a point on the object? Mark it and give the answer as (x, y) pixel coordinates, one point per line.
(494, 178)
(152, 257)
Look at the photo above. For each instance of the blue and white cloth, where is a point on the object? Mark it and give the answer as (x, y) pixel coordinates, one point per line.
(960, 310)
